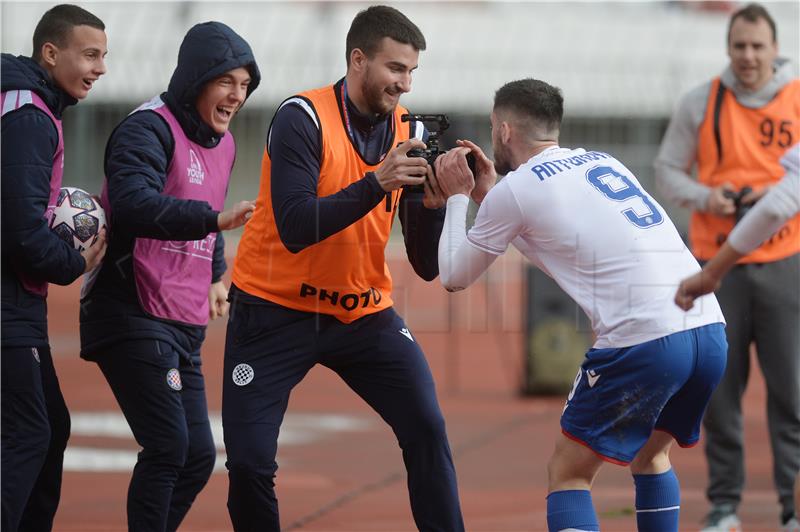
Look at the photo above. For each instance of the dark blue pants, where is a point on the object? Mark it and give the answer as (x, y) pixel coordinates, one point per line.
(169, 419)
(269, 349)
(35, 430)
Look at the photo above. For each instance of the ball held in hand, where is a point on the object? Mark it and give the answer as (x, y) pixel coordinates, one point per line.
(77, 218)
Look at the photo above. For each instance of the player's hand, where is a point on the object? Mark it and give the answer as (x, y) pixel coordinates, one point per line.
(484, 167)
(236, 216)
(699, 284)
(398, 169)
(453, 173)
(433, 198)
(720, 204)
(94, 254)
(217, 300)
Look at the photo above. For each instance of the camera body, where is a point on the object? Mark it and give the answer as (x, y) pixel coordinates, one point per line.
(436, 124)
(741, 208)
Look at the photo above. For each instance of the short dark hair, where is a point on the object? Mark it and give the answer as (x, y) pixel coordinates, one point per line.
(532, 99)
(57, 23)
(376, 22)
(751, 13)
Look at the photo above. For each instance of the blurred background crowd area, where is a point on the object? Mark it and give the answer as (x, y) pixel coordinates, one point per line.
(621, 65)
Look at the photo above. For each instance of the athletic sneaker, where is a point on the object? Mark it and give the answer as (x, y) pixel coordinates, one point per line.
(792, 525)
(722, 519)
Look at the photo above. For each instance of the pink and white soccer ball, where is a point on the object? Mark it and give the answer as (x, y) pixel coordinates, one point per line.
(77, 218)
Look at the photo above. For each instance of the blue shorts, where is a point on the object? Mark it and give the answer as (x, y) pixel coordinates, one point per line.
(621, 395)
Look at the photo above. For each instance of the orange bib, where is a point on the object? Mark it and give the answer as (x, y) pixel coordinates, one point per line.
(751, 143)
(344, 275)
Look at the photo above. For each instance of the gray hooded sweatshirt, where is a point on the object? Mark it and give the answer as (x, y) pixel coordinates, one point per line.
(677, 155)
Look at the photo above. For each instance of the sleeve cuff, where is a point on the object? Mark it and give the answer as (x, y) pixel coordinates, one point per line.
(375, 189)
(432, 214)
(458, 199)
(372, 179)
(702, 199)
(212, 222)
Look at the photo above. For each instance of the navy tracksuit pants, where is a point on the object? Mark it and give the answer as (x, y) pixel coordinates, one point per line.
(168, 414)
(270, 348)
(35, 430)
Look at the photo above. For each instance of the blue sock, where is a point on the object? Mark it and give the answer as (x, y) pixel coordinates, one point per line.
(571, 509)
(658, 502)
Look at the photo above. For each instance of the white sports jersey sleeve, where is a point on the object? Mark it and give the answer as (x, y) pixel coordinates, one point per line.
(780, 204)
(498, 222)
(459, 263)
(584, 219)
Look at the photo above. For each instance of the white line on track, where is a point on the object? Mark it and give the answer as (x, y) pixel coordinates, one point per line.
(297, 429)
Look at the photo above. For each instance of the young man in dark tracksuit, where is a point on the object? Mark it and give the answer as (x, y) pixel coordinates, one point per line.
(312, 284)
(143, 320)
(68, 57)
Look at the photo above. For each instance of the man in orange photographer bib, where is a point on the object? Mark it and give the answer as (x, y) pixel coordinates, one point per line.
(311, 285)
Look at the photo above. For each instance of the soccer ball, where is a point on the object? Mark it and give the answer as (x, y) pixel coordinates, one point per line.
(77, 218)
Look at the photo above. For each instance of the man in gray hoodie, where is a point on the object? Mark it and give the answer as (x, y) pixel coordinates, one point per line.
(734, 130)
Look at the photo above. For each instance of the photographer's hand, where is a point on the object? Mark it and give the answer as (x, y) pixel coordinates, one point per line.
(719, 203)
(399, 169)
(484, 167)
(433, 198)
(754, 196)
(453, 174)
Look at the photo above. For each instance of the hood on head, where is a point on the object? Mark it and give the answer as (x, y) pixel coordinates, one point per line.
(208, 50)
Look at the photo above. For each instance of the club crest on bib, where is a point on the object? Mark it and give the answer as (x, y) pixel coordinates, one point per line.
(243, 374)
(195, 170)
(174, 379)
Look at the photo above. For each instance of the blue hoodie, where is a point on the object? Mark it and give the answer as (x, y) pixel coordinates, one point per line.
(29, 141)
(137, 159)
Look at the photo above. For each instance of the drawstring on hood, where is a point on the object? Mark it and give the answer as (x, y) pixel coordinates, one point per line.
(208, 50)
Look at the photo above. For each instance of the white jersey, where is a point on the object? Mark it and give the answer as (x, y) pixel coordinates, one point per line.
(584, 219)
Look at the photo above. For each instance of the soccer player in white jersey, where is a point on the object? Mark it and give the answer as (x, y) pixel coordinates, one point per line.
(583, 218)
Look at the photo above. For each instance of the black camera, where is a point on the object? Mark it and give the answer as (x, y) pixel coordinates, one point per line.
(436, 124)
(741, 208)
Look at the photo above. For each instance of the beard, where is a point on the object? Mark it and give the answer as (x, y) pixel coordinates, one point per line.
(502, 162)
(375, 96)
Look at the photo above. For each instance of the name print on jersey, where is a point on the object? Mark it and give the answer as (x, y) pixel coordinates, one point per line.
(551, 168)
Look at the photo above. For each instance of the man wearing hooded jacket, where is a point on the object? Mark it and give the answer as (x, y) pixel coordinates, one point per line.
(69, 47)
(143, 318)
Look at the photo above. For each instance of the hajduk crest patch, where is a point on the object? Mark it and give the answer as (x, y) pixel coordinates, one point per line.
(174, 379)
(243, 374)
